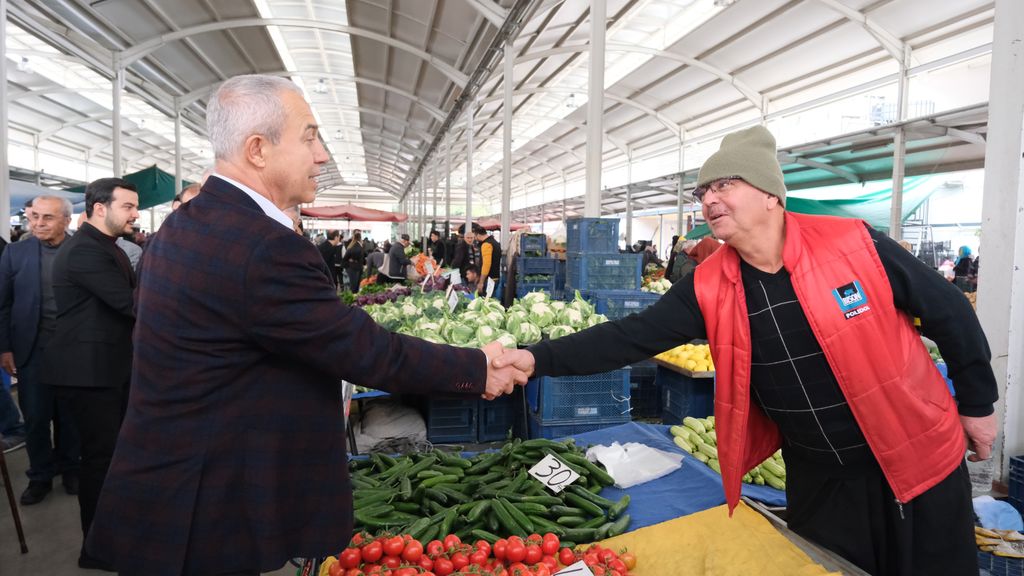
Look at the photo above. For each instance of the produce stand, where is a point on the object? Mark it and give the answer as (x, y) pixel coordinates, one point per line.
(681, 370)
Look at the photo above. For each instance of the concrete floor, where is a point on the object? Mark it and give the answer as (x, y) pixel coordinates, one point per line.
(52, 531)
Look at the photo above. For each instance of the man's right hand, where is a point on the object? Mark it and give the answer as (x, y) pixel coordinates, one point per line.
(7, 361)
(520, 359)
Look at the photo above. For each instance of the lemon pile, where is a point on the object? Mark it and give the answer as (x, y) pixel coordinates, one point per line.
(693, 357)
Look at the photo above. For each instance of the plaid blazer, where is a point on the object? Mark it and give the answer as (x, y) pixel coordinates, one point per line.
(232, 453)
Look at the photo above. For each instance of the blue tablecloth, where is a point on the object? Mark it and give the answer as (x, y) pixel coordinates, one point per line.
(370, 394)
(691, 488)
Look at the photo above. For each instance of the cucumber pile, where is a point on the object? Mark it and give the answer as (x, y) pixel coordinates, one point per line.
(697, 436)
(488, 496)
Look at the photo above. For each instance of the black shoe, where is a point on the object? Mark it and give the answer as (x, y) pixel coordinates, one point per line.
(35, 493)
(89, 563)
(70, 482)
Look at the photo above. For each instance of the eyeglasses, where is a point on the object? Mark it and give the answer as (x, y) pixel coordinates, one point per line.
(720, 187)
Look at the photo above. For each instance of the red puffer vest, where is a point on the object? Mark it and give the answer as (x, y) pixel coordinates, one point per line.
(897, 396)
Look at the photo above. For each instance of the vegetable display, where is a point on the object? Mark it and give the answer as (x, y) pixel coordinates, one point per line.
(697, 437)
(693, 357)
(437, 493)
(481, 321)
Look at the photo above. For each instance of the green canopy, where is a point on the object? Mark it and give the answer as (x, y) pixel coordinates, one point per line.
(155, 186)
(873, 207)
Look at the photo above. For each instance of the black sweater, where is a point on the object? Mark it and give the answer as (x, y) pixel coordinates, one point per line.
(946, 317)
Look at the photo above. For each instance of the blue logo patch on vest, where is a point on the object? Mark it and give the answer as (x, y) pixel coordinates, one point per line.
(852, 299)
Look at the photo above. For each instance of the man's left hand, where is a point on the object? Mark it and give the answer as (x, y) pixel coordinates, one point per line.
(500, 380)
(981, 434)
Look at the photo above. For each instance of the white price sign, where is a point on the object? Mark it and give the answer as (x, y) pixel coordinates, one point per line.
(453, 298)
(553, 473)
(578, 569)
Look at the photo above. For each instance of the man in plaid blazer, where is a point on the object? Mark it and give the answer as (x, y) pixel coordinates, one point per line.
(232, 455)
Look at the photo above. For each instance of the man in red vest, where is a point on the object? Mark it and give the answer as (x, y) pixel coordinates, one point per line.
(810, 322)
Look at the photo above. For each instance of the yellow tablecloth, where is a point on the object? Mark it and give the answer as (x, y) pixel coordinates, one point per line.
(709, 543)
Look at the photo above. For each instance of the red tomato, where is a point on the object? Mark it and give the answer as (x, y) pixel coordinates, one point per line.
(516, 551)
(413, 552)
(479, 558)
(500, 546)
(533, 554)
(598, 570)
(354, 572)
(566, 556)
(350, 558)
(357, 539)
(372, 552)
(406, 572)
(459, 560)
(550, 562)
(550, 545)
(618, 564)
(407, 537)
(534, 538)
(591, 559)
(541, 570)
(435, 548)
(391, 561)
(518, 569)
(394, 546)
(606, 555)
(443, 566)
(336, 569)
(516, 539)
(629, 559)
(483, 545)
(451, 540)
(426, 563)
(615, 572)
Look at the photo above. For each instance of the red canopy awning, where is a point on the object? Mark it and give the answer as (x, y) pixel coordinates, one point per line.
(350, 212)
(495, 224)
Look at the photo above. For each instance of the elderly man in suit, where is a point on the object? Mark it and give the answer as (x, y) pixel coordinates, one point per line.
(28, 318)
(232, 456)
(93, 283)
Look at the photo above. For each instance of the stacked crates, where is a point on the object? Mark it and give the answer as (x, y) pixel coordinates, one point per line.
(593, 261)
(617, 304)
(683, 396)
(567, 405)
(535, 275)
(644, 393)
(1017, 483)
(496, 418)
(451, 419)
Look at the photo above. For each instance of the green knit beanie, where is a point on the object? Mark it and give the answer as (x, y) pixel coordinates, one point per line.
(749, 154)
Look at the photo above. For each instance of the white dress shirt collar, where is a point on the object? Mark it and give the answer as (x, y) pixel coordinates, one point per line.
(266, 205)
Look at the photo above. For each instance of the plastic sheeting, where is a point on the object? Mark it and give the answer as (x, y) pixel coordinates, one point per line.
(692, 488)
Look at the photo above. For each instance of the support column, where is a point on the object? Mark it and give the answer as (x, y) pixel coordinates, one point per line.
(629, 198)
(116, 118)
(5, 169)
(506, 154)
(470, 111)
(177, 146)
(899, 151)
(1001, 277)
(423, 212)
(595, 109)
(447, 186)
(682, 178)
(433, 188)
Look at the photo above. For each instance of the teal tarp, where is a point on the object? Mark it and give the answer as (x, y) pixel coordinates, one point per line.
(873, 207)
(155, 186)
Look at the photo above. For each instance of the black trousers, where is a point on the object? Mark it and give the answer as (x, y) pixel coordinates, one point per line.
(856, 515)
(98, 413)
(354, 276)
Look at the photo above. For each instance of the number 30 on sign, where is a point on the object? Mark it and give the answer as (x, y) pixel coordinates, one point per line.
(553, 473)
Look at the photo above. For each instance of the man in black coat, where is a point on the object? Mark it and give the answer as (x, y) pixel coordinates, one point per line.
(329, 249)
(93, 283)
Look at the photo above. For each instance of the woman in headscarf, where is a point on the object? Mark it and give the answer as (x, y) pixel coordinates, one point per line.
(962, 269)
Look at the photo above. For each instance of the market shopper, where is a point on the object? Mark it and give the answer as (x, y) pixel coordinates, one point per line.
(490, 261)
(232, 457)
(465, 254)
(353, 261)
(438, 249)
(810, 322)
(398, 262)
(90, 352)
(28, 318)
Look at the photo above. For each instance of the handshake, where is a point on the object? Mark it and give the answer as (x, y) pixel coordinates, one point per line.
(505, 369)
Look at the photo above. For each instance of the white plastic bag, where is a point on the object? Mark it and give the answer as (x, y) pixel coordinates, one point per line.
(634, 463)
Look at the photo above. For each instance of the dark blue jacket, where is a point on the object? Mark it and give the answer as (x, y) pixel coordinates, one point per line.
(21, 298)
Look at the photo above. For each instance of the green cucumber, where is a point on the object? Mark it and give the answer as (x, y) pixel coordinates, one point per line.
(520, 518)
(450, 470)
(579, 534)
(562, 510)
(531, 508)
(586, 505)
(452, 494)
(507, 521)
(619, 507)
(570, 521)
(602, 531)
(545, 525)
(484, 535)
(593, 522)
(584, 493)
(449, 519)
(485, 463)
(619, 526)
(443, 479)
(424, 474)
(478, 510)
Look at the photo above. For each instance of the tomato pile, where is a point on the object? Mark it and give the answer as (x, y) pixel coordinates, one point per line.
(534, 556)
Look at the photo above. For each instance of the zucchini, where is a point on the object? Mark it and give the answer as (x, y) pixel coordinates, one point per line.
(684, 444)
(709, 451)
(773, 467)
(694, 424)
(713, 464)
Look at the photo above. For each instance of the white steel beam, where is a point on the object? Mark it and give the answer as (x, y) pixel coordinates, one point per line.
(492, 12)
(1001, 278)
(5, 190)
(508, 83)
(595, 108)
(899, 150)
(145, 47)
(117, 87)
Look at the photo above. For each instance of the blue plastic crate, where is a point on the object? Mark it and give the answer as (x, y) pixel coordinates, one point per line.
(535, 245)
(998, 566)
(552, 429)
(644, 392)
(683, 396)
(495, 418)
(1016, 486)
(591, 235)
(616, 304)
(608, 271)
(451, 420)
(598, 396)
(531, 266)
(559, 274)
(523, 288)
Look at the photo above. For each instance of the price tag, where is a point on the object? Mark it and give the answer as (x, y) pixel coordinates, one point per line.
(578, 569)
(553, 473)
(430, 269)
(453, 299)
